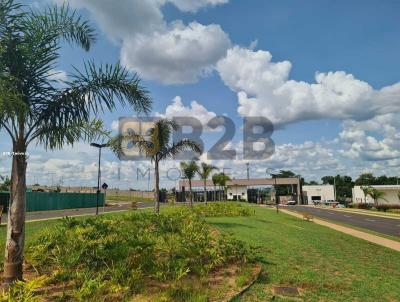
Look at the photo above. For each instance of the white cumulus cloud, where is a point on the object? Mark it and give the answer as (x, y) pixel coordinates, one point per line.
(264, 88)
(172, 53)
(196, 110)
(179, 54)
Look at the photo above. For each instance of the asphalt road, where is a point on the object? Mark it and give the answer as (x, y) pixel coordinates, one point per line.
(78, 212)
(388, 226)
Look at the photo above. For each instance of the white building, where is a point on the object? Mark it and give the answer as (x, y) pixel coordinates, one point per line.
(391, 194)
(317, 193)
(237, 192)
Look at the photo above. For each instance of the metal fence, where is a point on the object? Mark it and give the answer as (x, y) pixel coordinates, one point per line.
(45, 201)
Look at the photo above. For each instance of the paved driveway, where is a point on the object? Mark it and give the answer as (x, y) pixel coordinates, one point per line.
(382, 225)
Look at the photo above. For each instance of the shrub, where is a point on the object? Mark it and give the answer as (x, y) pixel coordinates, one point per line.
(364, 206)
(105, 255)
(222, 209)
(386, 207)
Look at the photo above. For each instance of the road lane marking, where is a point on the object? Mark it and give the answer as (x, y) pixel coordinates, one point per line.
(348, 216)
(372, 220)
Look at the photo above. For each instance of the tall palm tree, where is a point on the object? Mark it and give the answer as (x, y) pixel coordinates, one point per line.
(44, 112)
(158, 147)
(189, 170)
(205, 172)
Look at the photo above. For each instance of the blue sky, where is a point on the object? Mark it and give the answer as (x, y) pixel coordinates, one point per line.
(343, 123)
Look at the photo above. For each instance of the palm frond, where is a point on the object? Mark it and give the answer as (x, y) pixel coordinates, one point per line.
(53, 136)
(189, 169)
(100, 85)
(61, 23)
(184, 145)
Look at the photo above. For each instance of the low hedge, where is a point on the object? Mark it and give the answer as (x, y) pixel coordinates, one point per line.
(386, 207)
(222, 209)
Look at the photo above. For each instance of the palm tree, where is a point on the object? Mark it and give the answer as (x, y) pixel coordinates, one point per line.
(39, 110)
(189, 171)
(204, 173)
(158, 147)
(375, 195)
(366, 191)
(221, 179)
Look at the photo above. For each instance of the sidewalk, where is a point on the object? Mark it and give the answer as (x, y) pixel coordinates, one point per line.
(394, 245)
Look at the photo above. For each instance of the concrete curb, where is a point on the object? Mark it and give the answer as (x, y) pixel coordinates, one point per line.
(394, 245)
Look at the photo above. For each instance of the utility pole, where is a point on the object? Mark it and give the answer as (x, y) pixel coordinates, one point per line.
(248, 170)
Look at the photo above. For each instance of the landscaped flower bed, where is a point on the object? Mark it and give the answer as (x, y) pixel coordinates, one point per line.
(174, 256)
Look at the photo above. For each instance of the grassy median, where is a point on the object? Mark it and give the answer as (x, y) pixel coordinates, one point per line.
(325, 264)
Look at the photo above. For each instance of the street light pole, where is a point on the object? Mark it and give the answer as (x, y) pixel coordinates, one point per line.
(276, 197)
(99, 146)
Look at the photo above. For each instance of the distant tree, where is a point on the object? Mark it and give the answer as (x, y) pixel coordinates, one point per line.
(205, 171)
(284, 190)
(312, 183)
(365, 179)
(189, 170)
(5, 185)
(381, 180)
(344, 185)
(221, 179)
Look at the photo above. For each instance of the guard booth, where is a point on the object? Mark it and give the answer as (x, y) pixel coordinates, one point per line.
(248, 183)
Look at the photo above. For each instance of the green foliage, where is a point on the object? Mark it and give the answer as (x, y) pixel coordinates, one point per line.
(5, 185)
(23, 291)
(387, 207)
(189, 169)
(220, 209)
(364, 206)
(344, 185)
(105, 256)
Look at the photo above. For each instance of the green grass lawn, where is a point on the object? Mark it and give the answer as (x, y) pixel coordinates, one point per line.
(327, 265)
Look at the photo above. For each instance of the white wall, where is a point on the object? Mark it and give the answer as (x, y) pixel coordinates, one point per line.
(390, 197)
(237, 190)
(325, 192)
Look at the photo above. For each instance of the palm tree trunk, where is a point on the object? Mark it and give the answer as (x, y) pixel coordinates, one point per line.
(14, 250)
(205, 191)
(156, 188)
(191, 194)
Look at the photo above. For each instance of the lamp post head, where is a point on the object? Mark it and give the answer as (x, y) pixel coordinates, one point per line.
(98, 145)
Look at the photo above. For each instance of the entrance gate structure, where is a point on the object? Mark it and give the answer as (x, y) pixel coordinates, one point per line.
(252, 182)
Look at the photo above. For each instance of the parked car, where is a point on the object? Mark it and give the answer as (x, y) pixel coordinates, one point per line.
(291, 203)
